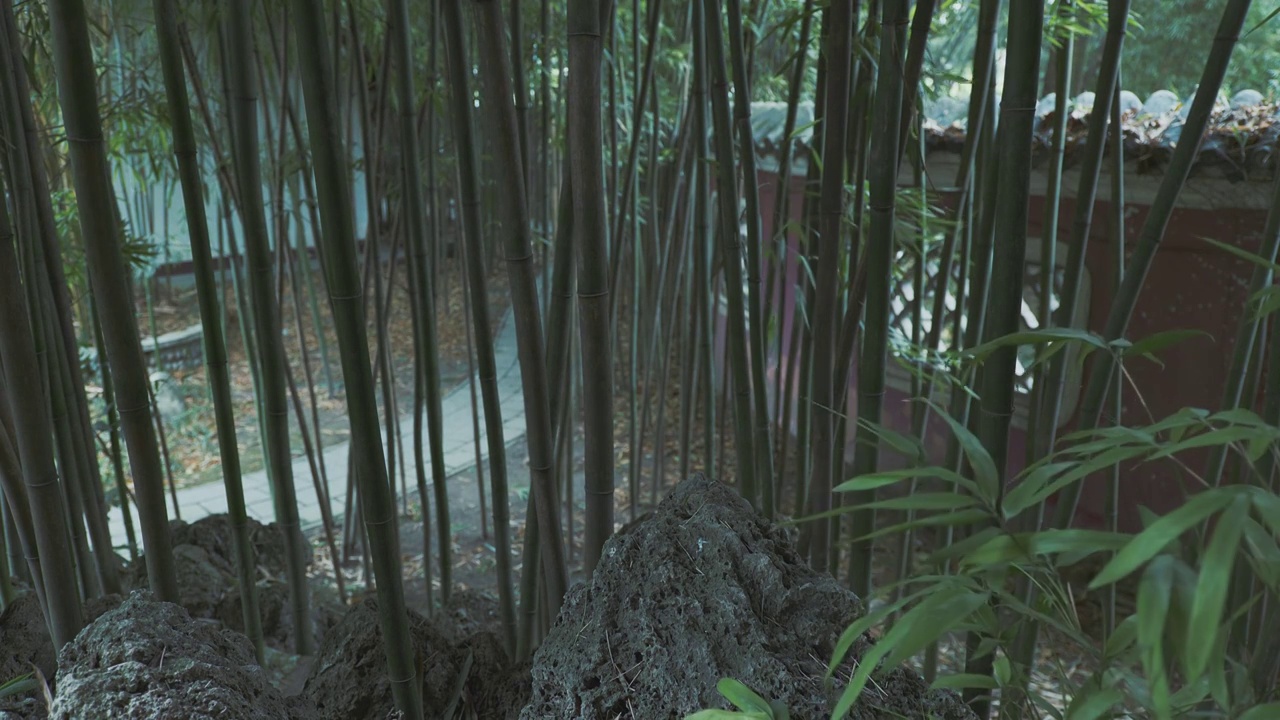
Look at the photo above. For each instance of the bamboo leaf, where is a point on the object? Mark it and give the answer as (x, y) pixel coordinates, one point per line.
(865, 623)
(984, 469)
(906, 445)
(924, 501)
(1220, 436)
(1262, 712)
(1154, 539)
(1148, 346)
(1154, 595)
(937, 614)
(1037, 337)
(1009, 548)
(1243, 254)
(959, 518)
(872, 481)
(1021, 496)
(1091, 705)
(1125, 634)
(1263, 548)
(743, 697)
(963, 547)
(727, 715)
(1211, 590)
(1268, 506)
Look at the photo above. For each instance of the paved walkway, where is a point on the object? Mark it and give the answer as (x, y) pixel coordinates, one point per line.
(459, 453)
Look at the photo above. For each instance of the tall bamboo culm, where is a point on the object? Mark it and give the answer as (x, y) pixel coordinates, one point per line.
(473, 247)
(338, 245)
(586, 173)
(243, 88)
(108, 273)
(425, 346)
(215, 347)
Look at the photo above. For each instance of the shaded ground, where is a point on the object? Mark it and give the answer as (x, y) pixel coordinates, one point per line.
(189, 433)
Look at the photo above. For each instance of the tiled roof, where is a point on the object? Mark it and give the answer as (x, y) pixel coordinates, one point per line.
(1242, 142)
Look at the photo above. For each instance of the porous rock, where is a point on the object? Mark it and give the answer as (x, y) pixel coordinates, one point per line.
(276, 612)
(213, 533)
(702, 590)
(24, 648)
(150, 659)
(469, 612)
(349, 680)
(25, 639)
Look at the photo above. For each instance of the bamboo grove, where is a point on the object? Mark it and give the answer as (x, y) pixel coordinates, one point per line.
(597, 160)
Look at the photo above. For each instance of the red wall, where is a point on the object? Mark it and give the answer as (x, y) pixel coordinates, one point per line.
(1191, 286)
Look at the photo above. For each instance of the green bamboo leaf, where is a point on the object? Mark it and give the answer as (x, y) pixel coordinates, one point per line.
(1125, 634)
(1240, 416)
(1261, 712)
(1243, 254)
(865, 623)
(1154, 539)
(1093, 703)
(1264, 554)
(936, 615)
(1267, 301)
(963, 547)
(924, 501)
(727, 715)
(906, 445)
(1220, 436)
(1020, 496)
(1211, 590)
(873, 481)
(1154, 595)
(1081, 470)
(1036, 337)
(1191, 693)
(1024, 546)
(1268, 506)
(925, 631)
(1148, 346)
(743, 697)
(959, 518)
(1256, 447)
(18, 685)
(984, 469)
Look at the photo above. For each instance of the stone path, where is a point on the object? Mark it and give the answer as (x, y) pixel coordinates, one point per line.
(459, 453)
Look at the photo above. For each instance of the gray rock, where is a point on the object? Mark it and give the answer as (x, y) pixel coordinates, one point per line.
(168, 400)
(1129, 103)
(1046, 105)
(1246, 99)
(705, 589)
(149, 659)
(1161, 102)
(1083, 102)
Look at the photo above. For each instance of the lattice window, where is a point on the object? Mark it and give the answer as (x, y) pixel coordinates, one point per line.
(904, 292)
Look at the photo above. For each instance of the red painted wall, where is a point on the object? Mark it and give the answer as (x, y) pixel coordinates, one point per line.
(1191, 286)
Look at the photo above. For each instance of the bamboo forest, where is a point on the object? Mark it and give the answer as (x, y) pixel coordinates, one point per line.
(640, 359)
